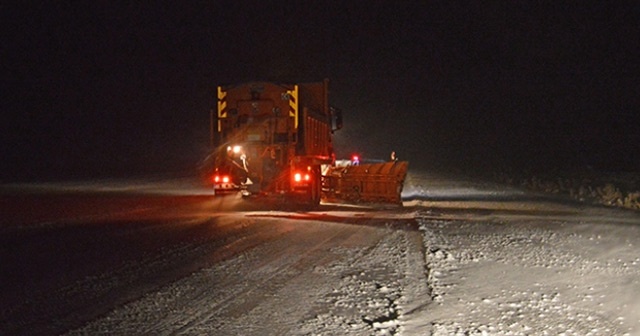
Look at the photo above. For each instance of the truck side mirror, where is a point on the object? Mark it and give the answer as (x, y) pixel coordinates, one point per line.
(336, 116)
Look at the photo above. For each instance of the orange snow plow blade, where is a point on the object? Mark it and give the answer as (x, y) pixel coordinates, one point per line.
(370, 183)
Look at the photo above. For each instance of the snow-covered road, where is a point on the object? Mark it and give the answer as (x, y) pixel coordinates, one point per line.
(316, 277)
(460, 258)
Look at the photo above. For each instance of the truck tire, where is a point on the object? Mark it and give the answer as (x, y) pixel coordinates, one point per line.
(316, 188)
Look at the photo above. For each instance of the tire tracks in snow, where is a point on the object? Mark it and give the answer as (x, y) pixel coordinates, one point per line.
(275, 268)
(196, 300)
(297, 282)
(95, 295)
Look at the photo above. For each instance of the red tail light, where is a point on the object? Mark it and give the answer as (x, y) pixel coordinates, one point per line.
(223, 179)
(300, 177)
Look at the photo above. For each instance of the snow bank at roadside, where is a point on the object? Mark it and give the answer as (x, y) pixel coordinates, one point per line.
(531, 278)
(619, 190)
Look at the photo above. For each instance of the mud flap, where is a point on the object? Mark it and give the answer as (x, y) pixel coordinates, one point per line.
(373, 183)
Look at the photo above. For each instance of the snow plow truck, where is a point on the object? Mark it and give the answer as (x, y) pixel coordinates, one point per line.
(276, 139)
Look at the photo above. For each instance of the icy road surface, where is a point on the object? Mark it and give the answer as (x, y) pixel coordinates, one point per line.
(460, 258)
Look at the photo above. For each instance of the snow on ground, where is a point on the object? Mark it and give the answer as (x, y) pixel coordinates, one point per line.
(318, 277)
(574, 272)
(531, 279)
(489, 260)
(607, 188)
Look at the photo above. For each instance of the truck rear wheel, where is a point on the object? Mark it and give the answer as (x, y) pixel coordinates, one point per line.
(315, 188)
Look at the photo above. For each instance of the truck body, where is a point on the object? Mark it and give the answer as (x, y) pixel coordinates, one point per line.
(277, 138)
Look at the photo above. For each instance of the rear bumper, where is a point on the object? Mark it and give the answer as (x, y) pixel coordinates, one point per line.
(225, 187)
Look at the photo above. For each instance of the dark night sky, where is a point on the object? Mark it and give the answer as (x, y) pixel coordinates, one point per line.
(97, 89)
